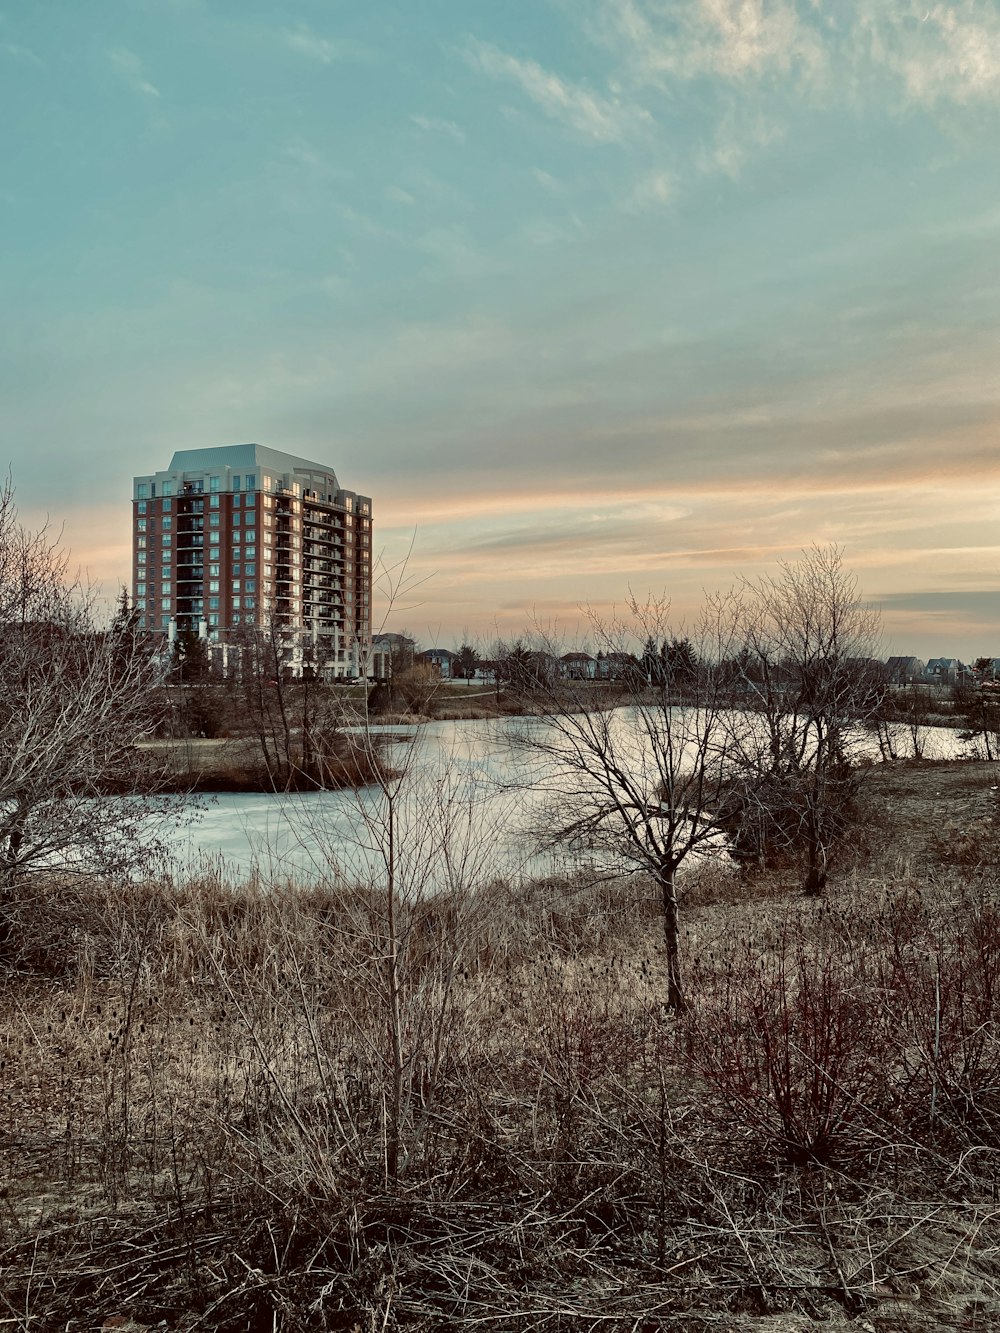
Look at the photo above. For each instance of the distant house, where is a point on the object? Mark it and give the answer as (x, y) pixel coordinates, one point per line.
(578, 666)
(946, 671)
(617, 666)
(441, 659)
(540, 666)
(390, 653)
(905, 670)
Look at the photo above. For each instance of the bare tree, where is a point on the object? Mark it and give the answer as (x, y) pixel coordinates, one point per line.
(299, 725)
(75, 700)
(808, 677)
(640, 772)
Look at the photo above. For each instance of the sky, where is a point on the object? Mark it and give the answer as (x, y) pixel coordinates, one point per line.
(593, 297)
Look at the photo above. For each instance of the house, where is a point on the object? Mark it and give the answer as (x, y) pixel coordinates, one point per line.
(391, 653)
(905, 670)
(578, 666)
(946, 671)
(617, 666)
(441, 659)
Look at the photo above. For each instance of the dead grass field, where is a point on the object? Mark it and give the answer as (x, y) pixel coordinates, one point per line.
(297, 1110)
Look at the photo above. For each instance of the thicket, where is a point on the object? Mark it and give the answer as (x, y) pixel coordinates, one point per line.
(297, 1110)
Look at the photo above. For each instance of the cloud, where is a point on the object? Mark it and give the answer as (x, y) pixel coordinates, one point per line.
(603, 119)
(654, 190)
(22, 53)
(733, 40)
(438, 125)
(132, 70)
(324, 50)
(738, 138)
(940, 52)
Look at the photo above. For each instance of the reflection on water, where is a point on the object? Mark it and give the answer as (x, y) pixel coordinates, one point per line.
(465, 811)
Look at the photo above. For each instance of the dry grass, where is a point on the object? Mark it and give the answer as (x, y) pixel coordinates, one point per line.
(226, 1110)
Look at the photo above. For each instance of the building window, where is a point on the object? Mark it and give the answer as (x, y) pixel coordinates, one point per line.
(249, 569)
(168, 488)
(251, 486)
(165, 589)
(249, 585)
(213, 571)
(236, 607)
(166, 571)
(141, 506)
(168, 522)
(213, 502)
(213, 483)
(251, 535)
(141, 558)
(213, 553)
(165, 541)
(140, 603)
(165, 621)
(213, 604)
(249, 552)
(236, 483)
(213, 520)
(236, 585)
(140, 542)
(237, 519)
(213, 585)
(164, 603)
(236, 569)
(142, 490)
(140, 589)
(166, 505)
(249, 602)
(213, 619)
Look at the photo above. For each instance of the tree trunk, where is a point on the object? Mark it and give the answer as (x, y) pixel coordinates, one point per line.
(667, 878)
(816, 871)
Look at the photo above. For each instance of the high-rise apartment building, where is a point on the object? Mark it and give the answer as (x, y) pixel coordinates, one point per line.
(245, 536)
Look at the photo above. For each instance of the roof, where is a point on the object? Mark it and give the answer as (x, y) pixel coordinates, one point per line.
(242, 456)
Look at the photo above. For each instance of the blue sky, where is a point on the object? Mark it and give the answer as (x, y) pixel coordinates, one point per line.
(592, 294)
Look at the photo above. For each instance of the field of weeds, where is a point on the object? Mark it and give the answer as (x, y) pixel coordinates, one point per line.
(319, 1109)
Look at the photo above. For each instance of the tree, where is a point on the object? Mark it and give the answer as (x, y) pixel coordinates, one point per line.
(808, 677)
(296, 721)
(190, 664)
(980, 715)
(640, 776)
(75, 700)
(466, 661)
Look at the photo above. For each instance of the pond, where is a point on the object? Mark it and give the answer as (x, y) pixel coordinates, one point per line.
(467, 810)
